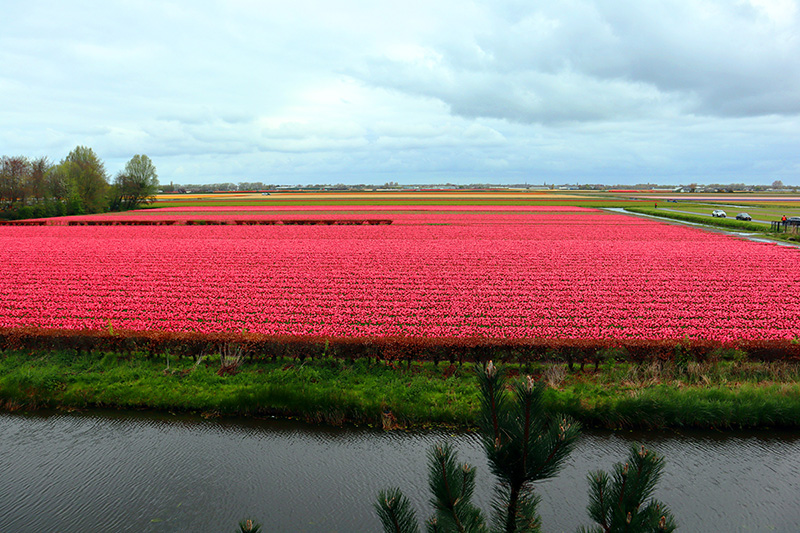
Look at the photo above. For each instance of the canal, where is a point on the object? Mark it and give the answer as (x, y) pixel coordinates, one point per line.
(111, 471)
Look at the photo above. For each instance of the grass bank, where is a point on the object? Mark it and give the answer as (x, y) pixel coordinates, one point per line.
(718, 394)
(726, 223)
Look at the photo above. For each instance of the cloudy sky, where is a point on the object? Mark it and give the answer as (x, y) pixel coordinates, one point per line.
(500, 91)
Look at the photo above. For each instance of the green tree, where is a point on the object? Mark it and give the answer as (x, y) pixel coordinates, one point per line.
(87, 181)
(57, 182)
(522, 445)
(137, 184)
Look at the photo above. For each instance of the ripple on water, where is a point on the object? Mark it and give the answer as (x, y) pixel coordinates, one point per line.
(132, 472)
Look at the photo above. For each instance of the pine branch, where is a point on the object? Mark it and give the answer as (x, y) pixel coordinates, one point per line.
(526, 405)
(557, 442)
(523, 519)
(432, 526)
(598, 508)
(395, 512)
(633, 483)
(493, 400)
(248, 526)
(521, 444)
(452, 486)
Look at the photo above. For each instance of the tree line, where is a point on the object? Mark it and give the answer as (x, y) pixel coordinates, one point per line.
(77, 185)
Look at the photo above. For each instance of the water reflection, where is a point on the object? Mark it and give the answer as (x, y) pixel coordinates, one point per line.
(147, 472)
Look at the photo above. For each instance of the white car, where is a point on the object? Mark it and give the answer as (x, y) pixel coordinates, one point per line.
(718, 213)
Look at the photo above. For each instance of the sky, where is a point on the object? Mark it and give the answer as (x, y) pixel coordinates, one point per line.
(415, 92)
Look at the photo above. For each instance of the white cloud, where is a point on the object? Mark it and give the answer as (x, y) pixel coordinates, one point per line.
(782, 13)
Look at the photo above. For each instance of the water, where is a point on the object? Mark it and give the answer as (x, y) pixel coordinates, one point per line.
(146, 472)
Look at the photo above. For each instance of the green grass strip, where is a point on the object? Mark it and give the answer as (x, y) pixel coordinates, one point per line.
(726, 394)
(728, 223)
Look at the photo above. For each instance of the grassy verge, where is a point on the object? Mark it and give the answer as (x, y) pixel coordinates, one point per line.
(710, 394)
(705, 208)
(727, 223)
(323, 390)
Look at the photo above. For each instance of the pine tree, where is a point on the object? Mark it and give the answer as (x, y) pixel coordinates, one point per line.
(522, 446)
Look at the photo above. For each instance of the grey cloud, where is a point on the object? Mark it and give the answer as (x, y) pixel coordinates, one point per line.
(730, 57)
(584, 61)
(526, 96)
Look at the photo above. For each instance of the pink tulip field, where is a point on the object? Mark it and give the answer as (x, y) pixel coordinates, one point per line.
(453, 272)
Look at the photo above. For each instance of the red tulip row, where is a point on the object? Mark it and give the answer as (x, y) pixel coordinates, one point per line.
(213, 221)
(588, 275)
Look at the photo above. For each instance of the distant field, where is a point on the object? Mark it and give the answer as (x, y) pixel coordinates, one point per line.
(380, 195)
(397, 198)
(769, 205)
(761, 207)
(720, 197)
(757, 213)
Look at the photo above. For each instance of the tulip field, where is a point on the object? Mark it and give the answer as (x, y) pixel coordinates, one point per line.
(435, 271)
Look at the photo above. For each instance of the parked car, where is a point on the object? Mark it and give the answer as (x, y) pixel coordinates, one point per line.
(793, 220)
(719, 213)
(743, 216)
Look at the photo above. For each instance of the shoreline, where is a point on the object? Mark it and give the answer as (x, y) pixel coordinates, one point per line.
(618, 395)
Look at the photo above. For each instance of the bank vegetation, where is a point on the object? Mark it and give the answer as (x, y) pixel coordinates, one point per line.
(722, 388)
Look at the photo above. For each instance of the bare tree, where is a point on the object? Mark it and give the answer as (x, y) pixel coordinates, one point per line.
(38, 179)
(14, 176)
